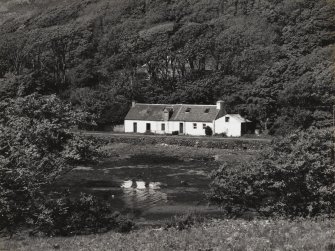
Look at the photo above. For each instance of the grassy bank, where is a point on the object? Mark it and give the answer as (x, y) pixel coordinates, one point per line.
(183, 140)
(215, 235)
(123, 150)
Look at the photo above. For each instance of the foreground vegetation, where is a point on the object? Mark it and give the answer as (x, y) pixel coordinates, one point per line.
(215, 235)
(36, 148)
(295, 176)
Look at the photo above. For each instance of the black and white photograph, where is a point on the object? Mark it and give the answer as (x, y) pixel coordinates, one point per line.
(167, 125)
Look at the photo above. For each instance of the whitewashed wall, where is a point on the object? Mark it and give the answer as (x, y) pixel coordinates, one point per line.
(231, 128)
(170, 126)
(199, 131)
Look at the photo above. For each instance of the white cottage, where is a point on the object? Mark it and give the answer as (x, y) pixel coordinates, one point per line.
(184, 119)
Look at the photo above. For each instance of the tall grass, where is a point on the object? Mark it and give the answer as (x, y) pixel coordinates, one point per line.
(213, 235)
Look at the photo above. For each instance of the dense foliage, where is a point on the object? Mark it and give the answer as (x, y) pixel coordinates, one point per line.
(270, 60)
(208, 131)
(66, 216)
(37, 147)
(296, 177)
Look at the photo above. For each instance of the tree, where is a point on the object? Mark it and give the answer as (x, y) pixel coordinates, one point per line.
(108, 107)
(267, 59)
(12, 52)
(294, 177)
(36, 147)
(208, 131)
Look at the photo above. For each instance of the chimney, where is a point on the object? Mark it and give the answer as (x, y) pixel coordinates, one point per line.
(167, 113)
(220, 105)
(133, 103)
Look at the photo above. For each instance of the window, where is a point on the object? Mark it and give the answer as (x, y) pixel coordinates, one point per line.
(163, 127)
(207, 110)
(194, 125)
(148, 127)
(204, 126)
(227, 119)
(188, 109)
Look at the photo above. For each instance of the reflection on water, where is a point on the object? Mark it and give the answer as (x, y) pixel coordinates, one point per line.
(131, 185)
(142, 194)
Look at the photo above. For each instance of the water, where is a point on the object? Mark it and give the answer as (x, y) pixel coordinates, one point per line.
(147, 187)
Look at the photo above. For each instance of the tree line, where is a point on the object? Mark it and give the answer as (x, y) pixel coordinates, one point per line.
(270, 60)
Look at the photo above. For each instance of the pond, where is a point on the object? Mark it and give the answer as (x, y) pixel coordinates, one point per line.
(149, 188)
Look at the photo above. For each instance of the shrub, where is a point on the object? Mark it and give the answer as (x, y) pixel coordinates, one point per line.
(232, 187)
(82, 150)
(175, 133)
(65, 216)
(36, 147)
(208, 131)
(223, 135)
(294, 177)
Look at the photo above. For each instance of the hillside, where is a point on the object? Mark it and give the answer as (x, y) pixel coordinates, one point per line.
(270, 60)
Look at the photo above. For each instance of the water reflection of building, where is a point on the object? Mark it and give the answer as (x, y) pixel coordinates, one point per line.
(142, 194)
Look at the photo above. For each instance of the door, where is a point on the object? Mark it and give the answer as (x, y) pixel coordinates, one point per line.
(181, 128)
(148, 127)
(135, 127)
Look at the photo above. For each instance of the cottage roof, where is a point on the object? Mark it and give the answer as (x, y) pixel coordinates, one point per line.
(180, 112)
(196, 113)
(150, 112)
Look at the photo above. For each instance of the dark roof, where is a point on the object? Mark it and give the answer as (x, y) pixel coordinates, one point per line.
(150, 112)
(155, 112)
(196, 114)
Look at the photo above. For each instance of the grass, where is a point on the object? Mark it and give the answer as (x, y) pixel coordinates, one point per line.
(213, 235)
(182, 152)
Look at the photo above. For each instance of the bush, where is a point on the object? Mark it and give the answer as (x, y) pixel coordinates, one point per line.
(80, 150)
(65, 216)
(232, 188)
(295, 177)
(36, 147)
(175, 133)
(223, 135)
(208, 131)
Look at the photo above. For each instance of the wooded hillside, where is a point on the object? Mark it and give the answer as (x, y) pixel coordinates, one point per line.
(271, 60)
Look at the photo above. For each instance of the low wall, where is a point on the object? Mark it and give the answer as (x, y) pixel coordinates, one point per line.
(220, 143)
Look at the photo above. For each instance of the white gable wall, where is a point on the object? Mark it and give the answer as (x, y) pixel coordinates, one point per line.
(231, 128)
